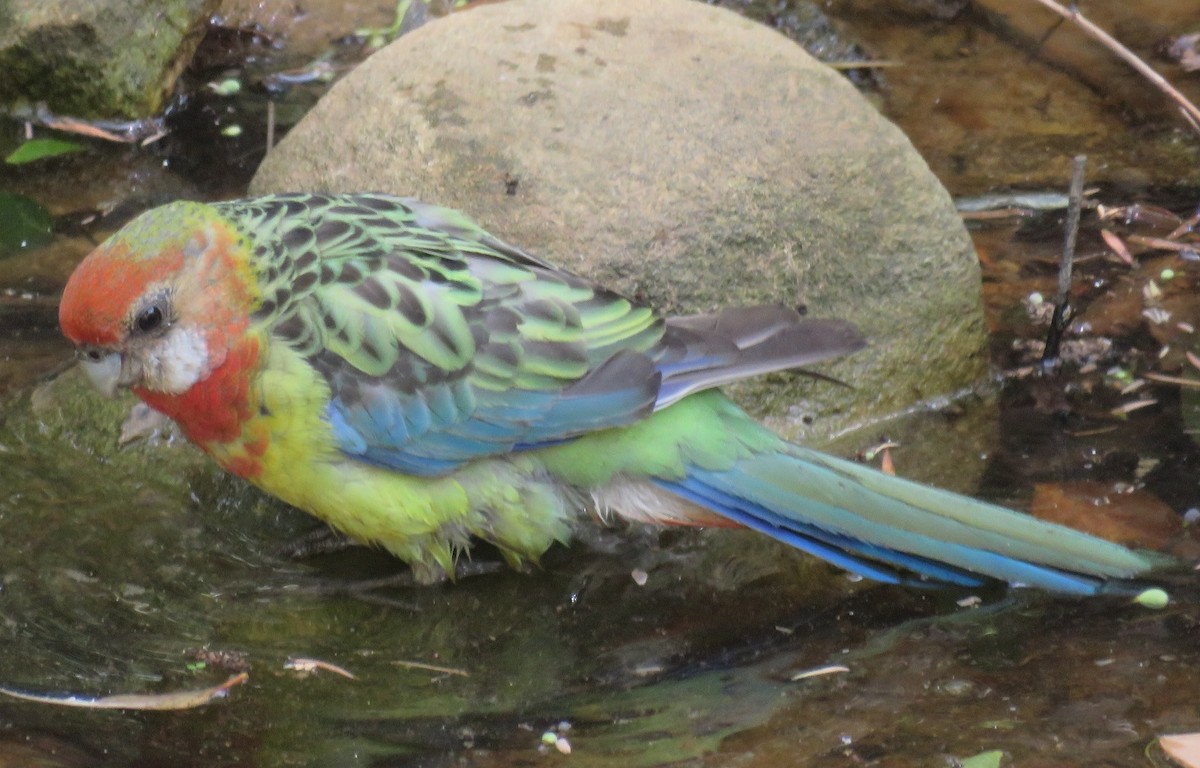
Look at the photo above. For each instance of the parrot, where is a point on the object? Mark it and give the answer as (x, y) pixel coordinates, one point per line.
(420, 385)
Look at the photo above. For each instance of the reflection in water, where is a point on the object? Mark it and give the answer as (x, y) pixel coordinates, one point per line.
(112, 574)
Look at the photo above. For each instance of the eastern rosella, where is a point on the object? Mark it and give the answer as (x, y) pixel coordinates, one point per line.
(398, 372)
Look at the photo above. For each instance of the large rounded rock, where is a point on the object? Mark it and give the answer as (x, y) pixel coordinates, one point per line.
(97, 58)
(681, 154)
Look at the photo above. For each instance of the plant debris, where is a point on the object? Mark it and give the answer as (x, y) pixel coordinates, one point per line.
(432, 668)
(155, 702)
(309, 666)
(832, 669)
(226, 661)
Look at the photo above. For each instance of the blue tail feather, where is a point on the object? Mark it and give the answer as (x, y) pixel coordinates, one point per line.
(897, 531)
(857, 557)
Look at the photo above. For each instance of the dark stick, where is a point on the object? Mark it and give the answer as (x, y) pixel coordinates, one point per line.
(1062, 301)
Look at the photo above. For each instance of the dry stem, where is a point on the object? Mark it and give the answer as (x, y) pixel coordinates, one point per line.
(1186, 108)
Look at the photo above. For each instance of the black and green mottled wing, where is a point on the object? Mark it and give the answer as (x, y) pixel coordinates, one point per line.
(442, 344)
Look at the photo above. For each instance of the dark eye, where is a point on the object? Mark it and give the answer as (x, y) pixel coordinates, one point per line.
(149, 318)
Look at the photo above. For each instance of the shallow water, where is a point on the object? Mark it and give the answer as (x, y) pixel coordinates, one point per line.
(111, 577)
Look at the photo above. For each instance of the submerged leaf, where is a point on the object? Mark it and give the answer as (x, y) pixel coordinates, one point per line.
(24, 223)
(983, 760)
(40, 149)
(1128, 516)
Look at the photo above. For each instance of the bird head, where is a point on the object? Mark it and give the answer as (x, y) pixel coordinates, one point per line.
(156, 306)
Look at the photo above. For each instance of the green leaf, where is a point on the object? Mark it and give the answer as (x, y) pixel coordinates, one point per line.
(983, 760)
(39, 149)
(24, 223)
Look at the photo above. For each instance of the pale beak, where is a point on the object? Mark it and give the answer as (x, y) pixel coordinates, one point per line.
(104, 371)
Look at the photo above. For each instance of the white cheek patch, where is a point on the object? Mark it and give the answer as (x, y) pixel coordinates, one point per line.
(177, 361)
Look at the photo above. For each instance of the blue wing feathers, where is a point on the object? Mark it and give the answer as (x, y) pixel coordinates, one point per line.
(438, 428)
(428, 434)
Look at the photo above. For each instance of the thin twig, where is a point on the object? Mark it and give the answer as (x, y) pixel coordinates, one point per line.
(1189, 111)
(1074, 204)
(1062, 302)
(1163, 378)
(1164, 244)
(432, 668)
(831, 669)
(866, 64)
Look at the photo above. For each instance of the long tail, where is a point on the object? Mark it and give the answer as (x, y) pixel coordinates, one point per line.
(895, 530)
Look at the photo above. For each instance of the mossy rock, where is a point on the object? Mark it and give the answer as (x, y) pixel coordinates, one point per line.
(97, 58)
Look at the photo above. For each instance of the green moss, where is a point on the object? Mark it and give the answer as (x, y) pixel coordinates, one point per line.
(98, 60)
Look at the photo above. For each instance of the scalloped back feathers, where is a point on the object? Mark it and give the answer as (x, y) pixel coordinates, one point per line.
(441, 346)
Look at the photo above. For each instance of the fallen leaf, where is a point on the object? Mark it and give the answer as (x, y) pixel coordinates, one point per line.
(982, 760)
(1117, 246)
(1133, 518)
(1183, 748)
(38, 149)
